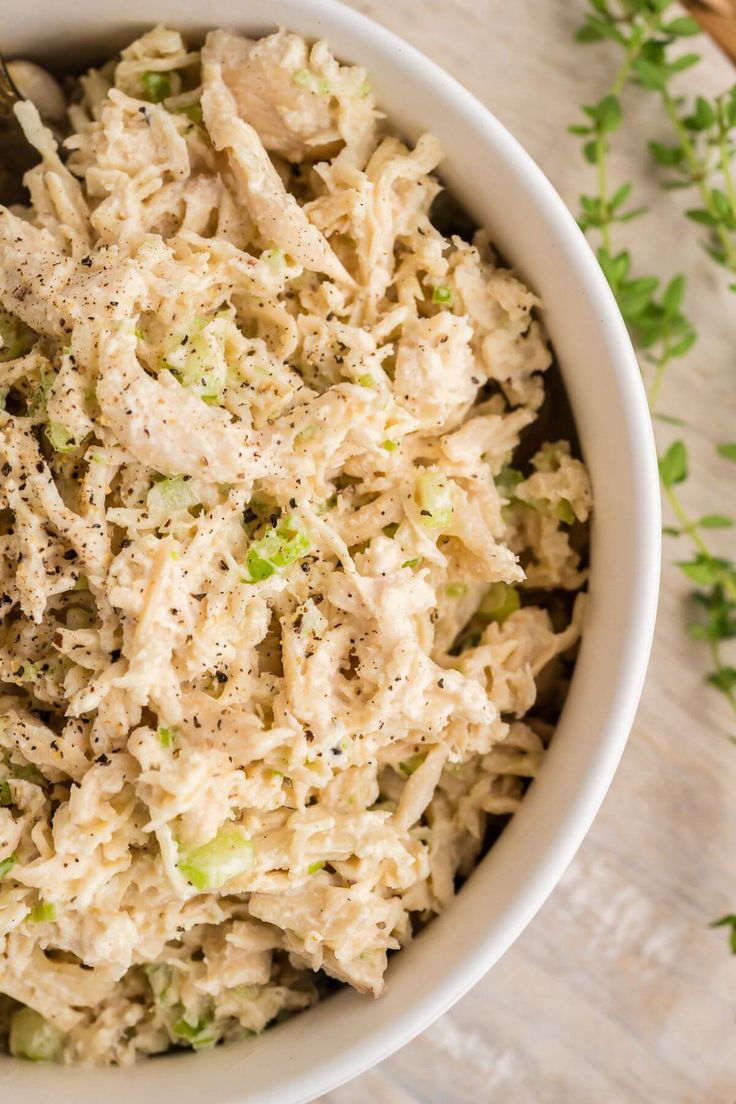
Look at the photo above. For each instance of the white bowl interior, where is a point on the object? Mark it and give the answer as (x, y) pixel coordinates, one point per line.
(504, 190)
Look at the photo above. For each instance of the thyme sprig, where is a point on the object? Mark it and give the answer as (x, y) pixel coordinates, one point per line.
(700, 157)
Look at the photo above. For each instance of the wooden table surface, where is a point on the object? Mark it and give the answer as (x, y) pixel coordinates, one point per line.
(617, 993)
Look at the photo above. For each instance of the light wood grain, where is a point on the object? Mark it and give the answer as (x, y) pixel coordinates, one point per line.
(718, 17)
(617, 993)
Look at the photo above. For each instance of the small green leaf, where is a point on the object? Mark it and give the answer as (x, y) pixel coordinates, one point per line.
(721, 203)
(702, 117)
(651, 75)
(686, 61)
(728, 921)
(673, 295)
(632, 213)
(682, 27)
(615, 268)
(620, 196)
(589, 33)
(669, 156)
(684, 345)
(701, 216)
(673, 465)
(704, 570)
(608, 116)
(590, 152)
(723, 679)
(715, 521)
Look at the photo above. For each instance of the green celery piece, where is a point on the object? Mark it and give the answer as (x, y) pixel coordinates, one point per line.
(34, 1038)
(213, 864)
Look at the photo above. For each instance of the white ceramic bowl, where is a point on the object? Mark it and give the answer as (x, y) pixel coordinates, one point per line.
(505, 191)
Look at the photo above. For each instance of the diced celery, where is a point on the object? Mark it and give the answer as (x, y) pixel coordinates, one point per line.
(34, 1038)
(27, 773)
(275, 259)
(499, 602)
(319, 85)
(43, 913)
(550, 456)
(507, 480)
(193, 112)
(433, 495)
(38, 399)
(159, 978)
(166, 736)
(442, 295)
(563, 511)
(204, 368)
(60, 437)
(16, 339)
(226, 856)
(315, 866)
(306, 434)
(456, 590)
(389, 446)
(6, 797)
(156, 86)
(411, 563)
(366, 380)
(7, 864)
(408, 766)
(199, 1035)
(171, 496)
(278, 549)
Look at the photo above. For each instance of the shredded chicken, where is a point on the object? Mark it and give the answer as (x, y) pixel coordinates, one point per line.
(288, 586)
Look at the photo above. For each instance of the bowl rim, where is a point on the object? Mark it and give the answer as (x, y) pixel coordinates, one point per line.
(397, 1029)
